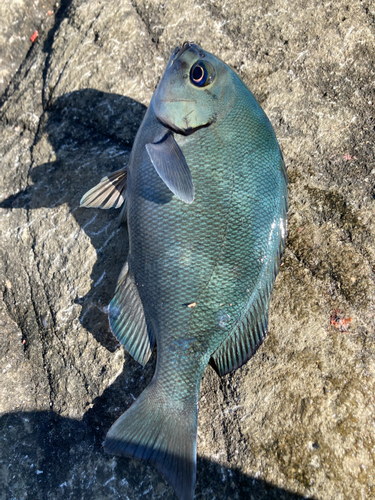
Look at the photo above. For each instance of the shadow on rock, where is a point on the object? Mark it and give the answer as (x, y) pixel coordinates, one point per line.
(90, 134)
(47, 456)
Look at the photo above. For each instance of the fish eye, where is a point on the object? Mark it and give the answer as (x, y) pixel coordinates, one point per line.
(202, 73)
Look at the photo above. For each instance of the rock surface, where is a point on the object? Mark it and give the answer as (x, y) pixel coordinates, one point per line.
(298, 420)
(19, 20)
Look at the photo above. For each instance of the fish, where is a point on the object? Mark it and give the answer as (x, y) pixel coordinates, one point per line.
(204, 196)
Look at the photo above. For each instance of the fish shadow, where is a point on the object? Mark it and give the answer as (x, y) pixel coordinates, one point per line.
(45, 455)
(90, 134)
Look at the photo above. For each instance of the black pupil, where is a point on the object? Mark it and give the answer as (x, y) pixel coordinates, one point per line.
(197, 73)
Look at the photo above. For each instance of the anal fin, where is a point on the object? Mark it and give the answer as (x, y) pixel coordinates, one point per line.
(127, 319)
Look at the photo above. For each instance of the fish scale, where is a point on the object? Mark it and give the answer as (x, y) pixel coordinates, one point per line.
(205, 200)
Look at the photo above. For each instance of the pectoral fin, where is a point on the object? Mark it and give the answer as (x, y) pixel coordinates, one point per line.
(169, 162)
(109, 193)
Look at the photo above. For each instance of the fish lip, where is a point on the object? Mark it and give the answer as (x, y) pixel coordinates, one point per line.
(181, 131)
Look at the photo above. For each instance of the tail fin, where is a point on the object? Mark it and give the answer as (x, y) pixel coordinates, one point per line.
(160, 431)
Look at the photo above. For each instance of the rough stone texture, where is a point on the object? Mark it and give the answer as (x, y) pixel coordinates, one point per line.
(298, 420)
(19, 19)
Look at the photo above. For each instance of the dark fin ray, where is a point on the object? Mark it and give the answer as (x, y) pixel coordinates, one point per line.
(242, 343)
(154, 430)
(109, 193)
(245, 339)
(127, 319)
(169, 162)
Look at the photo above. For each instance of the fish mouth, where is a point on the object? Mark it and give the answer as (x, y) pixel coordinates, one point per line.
(183, 131)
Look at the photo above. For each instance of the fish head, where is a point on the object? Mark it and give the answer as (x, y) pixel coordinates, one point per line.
(195, 90)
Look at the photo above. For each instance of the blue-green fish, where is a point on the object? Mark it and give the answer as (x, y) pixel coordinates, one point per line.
(205, 199)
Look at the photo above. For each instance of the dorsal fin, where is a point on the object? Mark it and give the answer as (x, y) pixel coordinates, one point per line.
(252, 328)
(109, 193)
(127, 319)
(246, 337)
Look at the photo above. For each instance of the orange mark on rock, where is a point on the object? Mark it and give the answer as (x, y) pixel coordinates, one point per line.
(339, 321)
(34, 36)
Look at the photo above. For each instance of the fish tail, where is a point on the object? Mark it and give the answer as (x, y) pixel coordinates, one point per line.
(160, 430)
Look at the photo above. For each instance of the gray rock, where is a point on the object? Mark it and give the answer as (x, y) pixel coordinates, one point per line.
(298, 419)
(18, 22)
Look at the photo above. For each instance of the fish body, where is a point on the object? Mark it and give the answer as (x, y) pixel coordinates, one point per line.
(206, 208)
